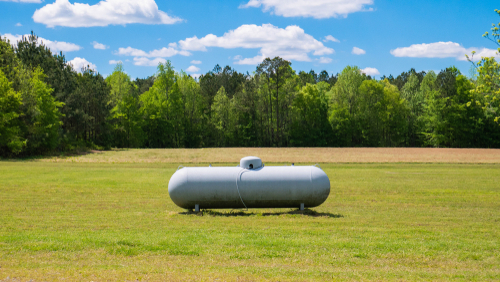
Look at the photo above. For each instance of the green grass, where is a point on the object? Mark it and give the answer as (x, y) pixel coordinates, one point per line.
(401, 222)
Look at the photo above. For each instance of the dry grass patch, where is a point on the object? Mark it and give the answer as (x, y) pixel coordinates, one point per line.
(289, 155)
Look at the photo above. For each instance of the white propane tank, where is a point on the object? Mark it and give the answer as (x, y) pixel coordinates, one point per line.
(251, 185)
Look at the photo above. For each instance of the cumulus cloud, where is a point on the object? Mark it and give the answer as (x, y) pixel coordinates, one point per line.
(54, 46)
(143, 58)
(325, 60)
(23, 1)
(193, 69)
(319, 9)
(79, 63)
(291, 43)
(195, 62)
(115, 62)
(195, 75)
(442, 50)
(330, 38)
(358, 51)
(370, 71)
(160, 53)
(99, 46)
(480, 53)
(104, 13)
(18, 24)
(143, 61)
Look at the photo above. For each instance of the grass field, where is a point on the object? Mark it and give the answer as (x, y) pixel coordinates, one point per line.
(93, 220)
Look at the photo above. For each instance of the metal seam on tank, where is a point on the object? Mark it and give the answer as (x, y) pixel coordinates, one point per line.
(240, 173)
(311, 174)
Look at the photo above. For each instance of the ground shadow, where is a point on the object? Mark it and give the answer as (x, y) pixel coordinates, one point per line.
(240, 213)
(78, 152)
(82, 152)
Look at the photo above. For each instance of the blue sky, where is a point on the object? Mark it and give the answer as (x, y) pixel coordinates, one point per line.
(379, 36)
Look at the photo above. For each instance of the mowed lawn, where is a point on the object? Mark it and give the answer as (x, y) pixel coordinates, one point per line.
(103, 221)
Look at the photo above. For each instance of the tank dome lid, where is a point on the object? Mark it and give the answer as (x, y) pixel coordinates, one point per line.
(251, 163)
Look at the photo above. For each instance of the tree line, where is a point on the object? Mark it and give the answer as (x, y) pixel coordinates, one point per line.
(46, 106)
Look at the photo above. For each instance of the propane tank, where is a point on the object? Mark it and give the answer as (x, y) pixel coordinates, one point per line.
(250, 185)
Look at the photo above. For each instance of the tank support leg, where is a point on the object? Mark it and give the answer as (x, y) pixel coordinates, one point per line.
(197, 208)
(302, 206)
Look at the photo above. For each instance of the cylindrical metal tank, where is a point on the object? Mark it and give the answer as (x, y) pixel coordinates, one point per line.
(251, 185)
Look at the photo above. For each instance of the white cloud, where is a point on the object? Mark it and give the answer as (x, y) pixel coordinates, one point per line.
(143, 61)
(325, 60)
(104, 13)
(370, 71)
(358, 51)
(18, 24)
(193, 69)
(79, 63)
(161, 53)
(54, 46)
(319, 9)
(195, 62)
(142, 58)
(480, 53)
(291, 43)
(99, 46)
(195, 75)
(23, 1)
(442, 50)
(330, 38)
(115, 62)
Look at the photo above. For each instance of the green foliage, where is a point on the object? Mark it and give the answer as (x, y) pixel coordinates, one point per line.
(249, 123)
(306, 78)
(488, 86)
(143, 85)
(276, 76)
(401, 80)
(41, 114)
(11, 140)
(58, 74)
(452, 116)
(414, 99)
(163, 110)
(221, 112)
(8, 60)
(227, 77)
(434, 119)
(87, 111)
(488, 77)
(382, 112)
(344, 104)
(195, 108)
(126, 114)
(274, 106)
(311, 127)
